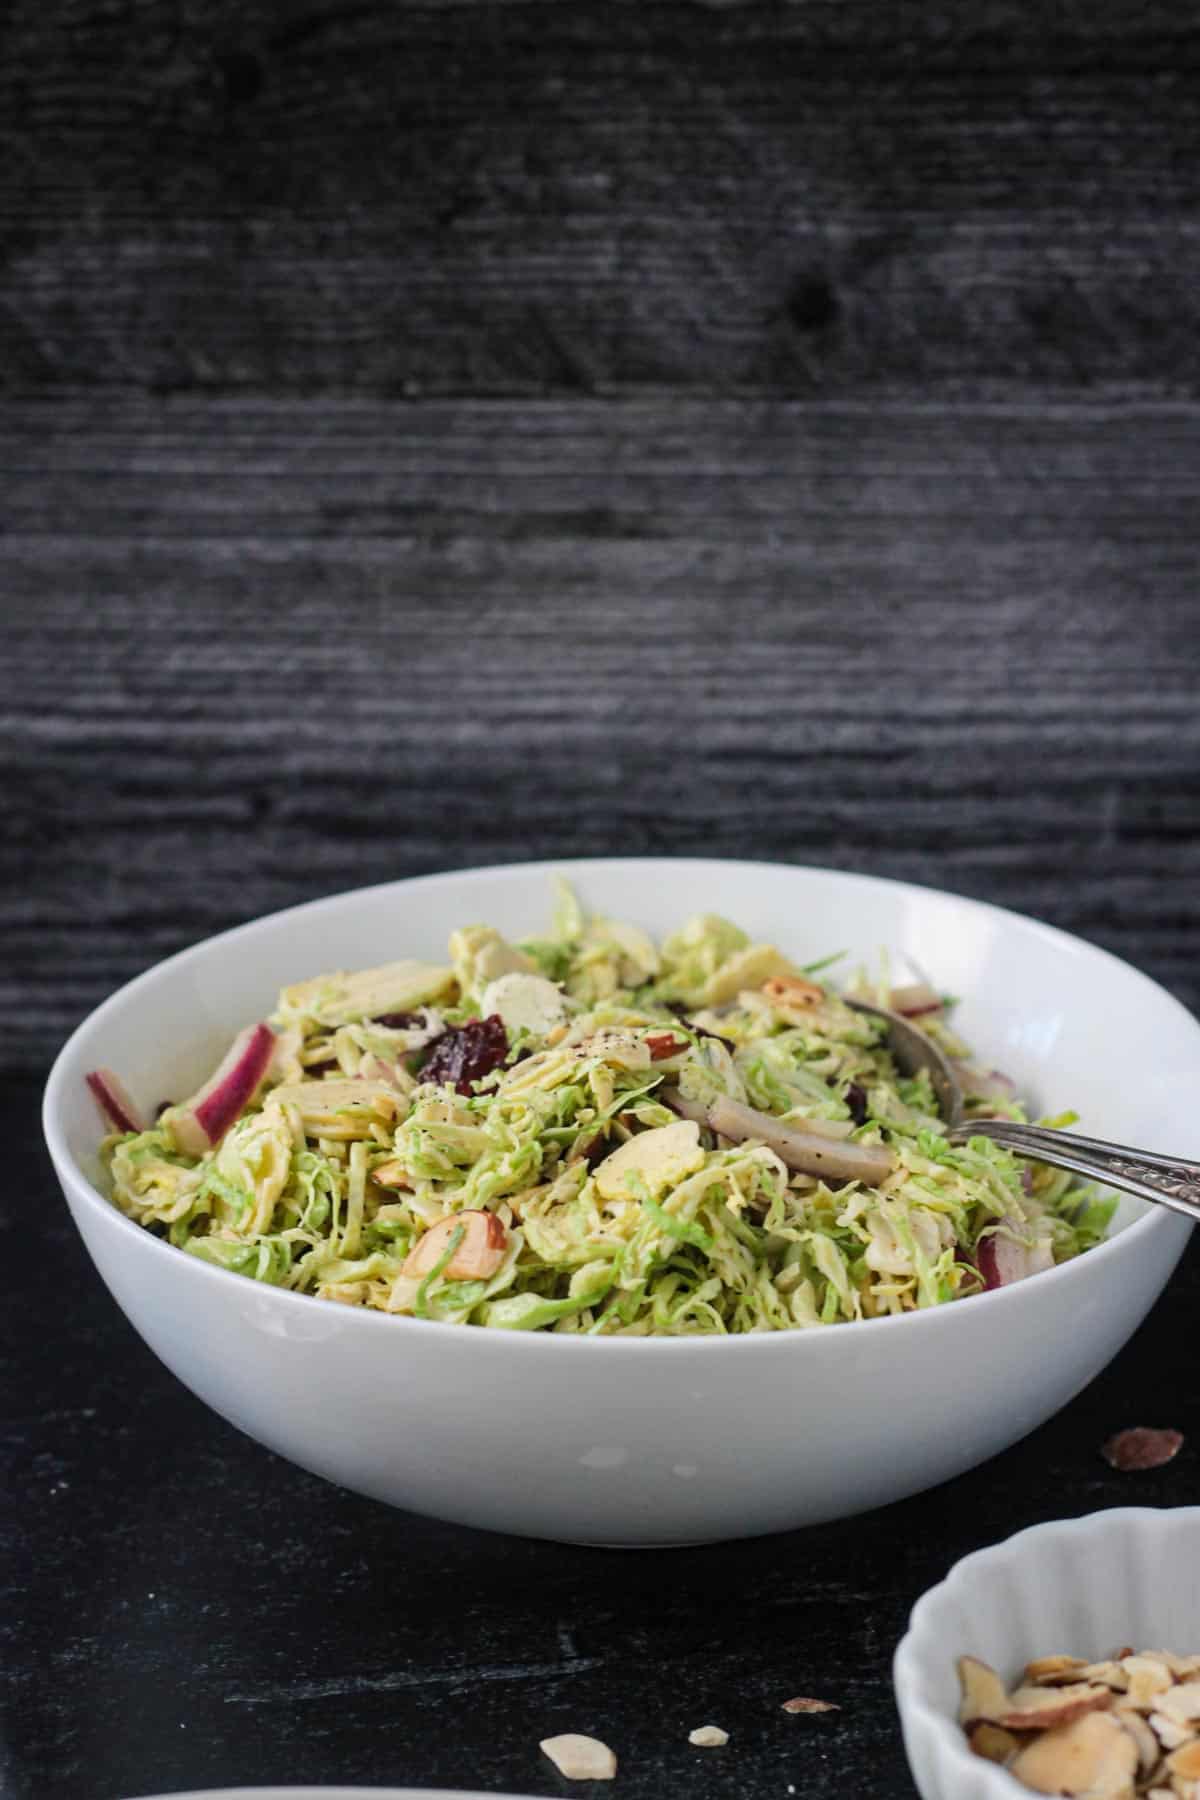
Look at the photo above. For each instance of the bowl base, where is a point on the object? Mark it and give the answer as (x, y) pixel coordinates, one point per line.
(673, 1544)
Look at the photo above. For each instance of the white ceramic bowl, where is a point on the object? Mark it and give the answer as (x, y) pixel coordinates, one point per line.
(1077, 1586)
(648, 1441)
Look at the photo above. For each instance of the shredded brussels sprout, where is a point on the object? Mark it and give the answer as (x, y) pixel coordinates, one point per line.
(531, 1094)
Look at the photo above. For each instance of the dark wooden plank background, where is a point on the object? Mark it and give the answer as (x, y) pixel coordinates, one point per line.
(263, 650)
(449, 433)
(531, 197)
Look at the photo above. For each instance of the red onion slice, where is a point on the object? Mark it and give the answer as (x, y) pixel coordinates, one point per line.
(805, 1152)
(203, 1120)
(113, 1099)
(1001, 1260)
(679, 1103)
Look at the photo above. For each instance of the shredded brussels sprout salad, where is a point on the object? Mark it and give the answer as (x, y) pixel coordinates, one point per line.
(591, 1132)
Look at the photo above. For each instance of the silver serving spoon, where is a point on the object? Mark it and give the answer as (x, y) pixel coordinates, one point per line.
(1166, 1180)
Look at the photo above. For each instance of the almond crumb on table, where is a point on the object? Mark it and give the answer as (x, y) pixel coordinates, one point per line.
(580, 1758)
(1141, 1447)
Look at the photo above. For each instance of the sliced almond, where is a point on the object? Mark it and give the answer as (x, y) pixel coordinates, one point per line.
(483, 1247)
(984, 1695)
(1047, 1669)
(1179, 1666)
(1169, 1732)
(992, 1742)
(810, 1706)
(708, 1737)
(1181, 1703)
(1148, 1678)
(793, 990)
(1148, 1747)
(746, 968)
(1185, 1762)
(1061, 1731)
(1091, 1756)
(1037, 1709)
(580, 1758)
(391, 1174)
(1107, 1674)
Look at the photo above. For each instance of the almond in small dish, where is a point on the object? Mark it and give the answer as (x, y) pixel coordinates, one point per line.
(1124, 1728)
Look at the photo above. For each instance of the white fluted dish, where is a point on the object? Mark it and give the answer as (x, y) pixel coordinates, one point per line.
(648, 1440)
(1080, 1587)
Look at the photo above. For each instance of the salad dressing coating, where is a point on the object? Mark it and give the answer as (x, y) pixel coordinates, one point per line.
(542, 1086)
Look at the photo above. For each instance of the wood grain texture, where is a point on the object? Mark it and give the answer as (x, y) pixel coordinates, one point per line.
(260, 651)
(444, 433)
(581, 198)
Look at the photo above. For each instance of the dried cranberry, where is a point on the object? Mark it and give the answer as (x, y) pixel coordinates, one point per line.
(323, 1068)
(400, 1021)
(856, 1100)
(466, 1053)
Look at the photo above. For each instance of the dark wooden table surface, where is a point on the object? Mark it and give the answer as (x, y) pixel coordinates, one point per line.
(442, 434)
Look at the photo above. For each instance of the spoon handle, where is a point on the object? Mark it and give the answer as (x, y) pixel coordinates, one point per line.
(1166, 1180)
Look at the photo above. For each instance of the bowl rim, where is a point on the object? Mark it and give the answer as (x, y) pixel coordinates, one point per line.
(70, 1173)
(909, 1660)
